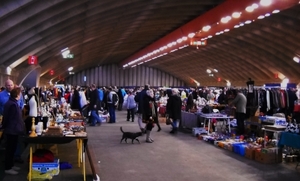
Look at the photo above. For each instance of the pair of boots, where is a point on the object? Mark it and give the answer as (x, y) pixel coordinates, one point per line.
(148, 137)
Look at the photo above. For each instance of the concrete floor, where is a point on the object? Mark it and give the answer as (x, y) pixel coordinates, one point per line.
(178, 157)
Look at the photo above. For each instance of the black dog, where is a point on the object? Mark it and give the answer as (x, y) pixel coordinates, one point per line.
(132, 136)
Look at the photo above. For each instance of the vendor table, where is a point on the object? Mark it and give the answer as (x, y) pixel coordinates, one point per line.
(211, 116)
(290, 140)
(81, 147)
(188, 120)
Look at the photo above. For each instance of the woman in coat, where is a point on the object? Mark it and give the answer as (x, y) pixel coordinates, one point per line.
(174, 109)
(149, 113)
(13, 127)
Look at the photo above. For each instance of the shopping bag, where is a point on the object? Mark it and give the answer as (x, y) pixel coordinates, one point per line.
(168, 120)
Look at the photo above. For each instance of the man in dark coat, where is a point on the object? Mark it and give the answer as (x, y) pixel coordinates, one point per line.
(139, 100)
(94, 99)
(174, 109)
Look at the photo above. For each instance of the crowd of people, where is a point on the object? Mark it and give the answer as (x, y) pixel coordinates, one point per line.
(19, 105)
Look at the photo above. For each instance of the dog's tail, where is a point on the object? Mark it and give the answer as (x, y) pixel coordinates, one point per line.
(121, 129)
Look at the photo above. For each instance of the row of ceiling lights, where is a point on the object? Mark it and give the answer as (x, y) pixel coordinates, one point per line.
(226, 19)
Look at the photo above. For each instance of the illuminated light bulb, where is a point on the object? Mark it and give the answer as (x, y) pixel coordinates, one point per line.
(254, 6)
(221, 32)
(236, 15)
(275, 11)
(225, 19)
(210, 36)
(217, 33)
(236, 26)
(265, 2)
(242, 24)
(226, 30)
(268, 14)
(208, 71)
(261, 17)
(179, 40)
(206, 28)
(249, 9)
(248, 22)
(296, 59)
(184, 38)
(191, 35)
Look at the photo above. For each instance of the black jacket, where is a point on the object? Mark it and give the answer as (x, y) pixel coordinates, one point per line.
(12, 118)
(174, 107)
(147, 110)
(94, 98)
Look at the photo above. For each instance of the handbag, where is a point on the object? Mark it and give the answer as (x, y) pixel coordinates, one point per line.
(168, 120)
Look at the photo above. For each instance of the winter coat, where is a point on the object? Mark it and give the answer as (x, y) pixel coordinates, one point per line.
(12, 121)
(173, 107)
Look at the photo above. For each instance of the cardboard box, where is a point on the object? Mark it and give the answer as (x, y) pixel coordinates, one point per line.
(250, 153)
(269, 156)
(162, 119)
(51, 168)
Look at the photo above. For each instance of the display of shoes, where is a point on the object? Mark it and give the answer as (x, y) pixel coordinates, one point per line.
(11, 172)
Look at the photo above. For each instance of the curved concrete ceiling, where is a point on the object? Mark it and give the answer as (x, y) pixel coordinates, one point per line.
(112, 31)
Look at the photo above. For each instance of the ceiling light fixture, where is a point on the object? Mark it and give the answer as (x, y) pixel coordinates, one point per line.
(261, 17)
(296, 59)
(216, 70)
(208, 71)
(254, 6)
(65, 52)
(184, 38)
(70, 68)
(265, 2)
(226, 30)
(236, 26)
(226, 19)
(248, 22)
(242, 24)
(249, 9)
(191, 35)
(236, 14)
(275, 11)
(210, 36)
(179, 40)
(268, 14)
(206, 28)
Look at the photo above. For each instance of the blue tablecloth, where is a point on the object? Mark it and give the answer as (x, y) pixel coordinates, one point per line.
(289, 139)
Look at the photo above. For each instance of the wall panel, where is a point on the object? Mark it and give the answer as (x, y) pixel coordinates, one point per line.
(112, 75)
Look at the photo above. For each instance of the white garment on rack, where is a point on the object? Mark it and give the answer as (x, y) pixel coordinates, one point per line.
(268, 100)
(82, 99)
(32, 107)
